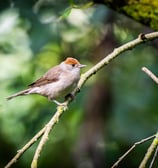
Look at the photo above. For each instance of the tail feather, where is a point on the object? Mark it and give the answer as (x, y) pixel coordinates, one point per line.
(21, 93)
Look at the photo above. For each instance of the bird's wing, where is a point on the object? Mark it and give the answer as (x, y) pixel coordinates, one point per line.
(50, 76)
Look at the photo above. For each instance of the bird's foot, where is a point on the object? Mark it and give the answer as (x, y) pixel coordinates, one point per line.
(61, 105)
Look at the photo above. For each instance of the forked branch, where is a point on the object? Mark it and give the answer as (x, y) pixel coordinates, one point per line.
(131, 149)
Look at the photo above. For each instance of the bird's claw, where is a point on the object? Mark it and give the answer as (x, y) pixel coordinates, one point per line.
(61, 105)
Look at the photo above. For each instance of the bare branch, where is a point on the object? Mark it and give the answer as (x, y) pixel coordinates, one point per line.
(44, 138)
(130, 149)
(149, 152)
(24, 148)
(116, 52)
(150, 74)
(155, 141)
(154, 157)
(46, 130)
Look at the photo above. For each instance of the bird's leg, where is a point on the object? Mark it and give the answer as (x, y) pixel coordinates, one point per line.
(58, 103)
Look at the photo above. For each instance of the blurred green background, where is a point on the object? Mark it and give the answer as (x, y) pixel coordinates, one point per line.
(115, 108)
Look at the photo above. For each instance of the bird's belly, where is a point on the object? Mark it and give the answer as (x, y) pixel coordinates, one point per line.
(55, 90)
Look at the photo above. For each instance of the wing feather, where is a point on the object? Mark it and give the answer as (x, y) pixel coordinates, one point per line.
(50, 76)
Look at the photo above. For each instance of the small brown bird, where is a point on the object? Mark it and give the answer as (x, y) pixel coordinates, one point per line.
(57, 82)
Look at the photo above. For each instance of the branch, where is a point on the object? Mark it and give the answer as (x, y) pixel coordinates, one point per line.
(117, 51)
(154, 157)
(155, 141)
(149, 152)
(150, 74)
(27, 146)
(128, 46)
(130, 149)
(154, 145)
(44, 138)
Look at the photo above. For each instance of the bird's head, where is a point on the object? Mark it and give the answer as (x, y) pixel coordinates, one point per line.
(72, 64)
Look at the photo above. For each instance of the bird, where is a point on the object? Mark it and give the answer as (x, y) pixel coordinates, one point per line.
(56, 83)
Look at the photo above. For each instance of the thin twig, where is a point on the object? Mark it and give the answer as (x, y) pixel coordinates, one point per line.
(149, 152)
(150, 74)
(130, 149)
(128, 46)
(154, 157)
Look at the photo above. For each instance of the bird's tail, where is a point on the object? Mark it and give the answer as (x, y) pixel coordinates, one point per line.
(21, 93)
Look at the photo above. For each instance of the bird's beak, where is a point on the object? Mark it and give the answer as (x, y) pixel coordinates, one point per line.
(81, 66)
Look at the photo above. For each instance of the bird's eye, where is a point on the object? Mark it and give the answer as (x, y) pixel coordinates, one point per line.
(73, 65)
